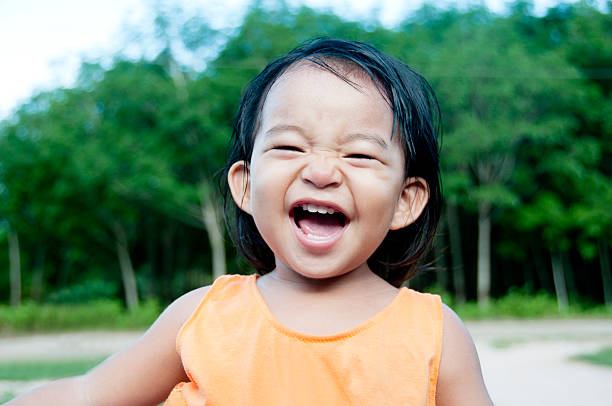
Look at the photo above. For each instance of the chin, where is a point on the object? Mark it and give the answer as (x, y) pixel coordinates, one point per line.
(320, 275)
(322, 272)
(317, 268)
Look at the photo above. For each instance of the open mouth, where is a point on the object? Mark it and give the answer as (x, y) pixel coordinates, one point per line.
(318, 222)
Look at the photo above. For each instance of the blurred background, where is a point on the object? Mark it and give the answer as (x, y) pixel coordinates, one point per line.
(115, 121)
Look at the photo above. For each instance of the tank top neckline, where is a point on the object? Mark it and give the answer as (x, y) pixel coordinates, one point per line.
(351, 332)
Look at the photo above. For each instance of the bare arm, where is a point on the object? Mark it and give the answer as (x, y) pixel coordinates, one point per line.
(142, 374)
(460, 380)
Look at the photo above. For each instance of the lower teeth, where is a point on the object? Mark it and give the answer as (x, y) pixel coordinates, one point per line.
(316, 237)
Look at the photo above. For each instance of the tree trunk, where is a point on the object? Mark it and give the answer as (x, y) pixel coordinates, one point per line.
(439, 261)
(568, 272)
(606, 276)
(439, 264)
(14, 268)
(125, 264)
(38, 273)
(215, 235)
(454, 233)
(484, 253)
(559, 279)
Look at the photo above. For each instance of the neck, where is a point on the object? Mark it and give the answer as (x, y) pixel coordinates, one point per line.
(358, 281)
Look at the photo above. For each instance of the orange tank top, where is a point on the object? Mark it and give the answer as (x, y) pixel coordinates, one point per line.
(236, 353)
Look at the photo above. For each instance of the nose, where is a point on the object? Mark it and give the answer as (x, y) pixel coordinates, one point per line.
(322, 172)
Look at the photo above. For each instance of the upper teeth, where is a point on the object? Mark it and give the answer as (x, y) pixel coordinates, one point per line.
(313, 208)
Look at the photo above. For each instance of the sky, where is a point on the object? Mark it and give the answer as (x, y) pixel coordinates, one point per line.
(42, 42)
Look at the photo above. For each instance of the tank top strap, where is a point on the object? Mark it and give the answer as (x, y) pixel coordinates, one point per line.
(225, 286)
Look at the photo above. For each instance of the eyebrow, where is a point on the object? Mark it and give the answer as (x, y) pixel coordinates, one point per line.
(345, 137)
(366, 137)
(284, 127)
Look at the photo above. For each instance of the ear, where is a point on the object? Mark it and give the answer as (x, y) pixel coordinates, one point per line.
(239, 184)
(411, 202)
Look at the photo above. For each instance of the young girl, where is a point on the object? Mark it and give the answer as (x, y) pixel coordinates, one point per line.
(334, 179)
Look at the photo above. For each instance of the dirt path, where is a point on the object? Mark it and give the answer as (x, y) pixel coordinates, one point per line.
(530, 362)
(524, 362)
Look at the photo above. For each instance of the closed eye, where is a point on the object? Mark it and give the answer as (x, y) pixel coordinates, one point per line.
(360, 156)
(288, 148)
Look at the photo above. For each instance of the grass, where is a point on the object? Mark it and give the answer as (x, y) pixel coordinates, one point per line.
(102, 314)
(109, 314)
(515, 304)
(38, 369)
(502, 343)
(5, 397)
(518, 304)
(601, 357)
(48, 369)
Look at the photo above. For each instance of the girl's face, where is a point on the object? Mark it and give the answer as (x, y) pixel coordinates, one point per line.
(326, 180)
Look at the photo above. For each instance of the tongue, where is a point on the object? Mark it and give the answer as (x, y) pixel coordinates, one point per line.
(322, 225)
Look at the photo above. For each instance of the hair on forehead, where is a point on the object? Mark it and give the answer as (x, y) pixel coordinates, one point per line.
(416, 119)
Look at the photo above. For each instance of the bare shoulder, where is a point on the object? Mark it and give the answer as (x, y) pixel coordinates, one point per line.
(176, 314)
(460, 377)
(183, 307)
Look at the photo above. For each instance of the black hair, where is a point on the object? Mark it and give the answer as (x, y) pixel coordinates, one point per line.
(416, 116)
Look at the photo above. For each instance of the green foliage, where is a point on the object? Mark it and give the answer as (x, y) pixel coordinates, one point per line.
(601, 357)
(89, 290)
(515, 304)
(49, 369)
(101, 314)
(5, 397)
(526, 104)
(519, 304)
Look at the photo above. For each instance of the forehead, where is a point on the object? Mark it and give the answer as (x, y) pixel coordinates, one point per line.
(307, 87)
(331, 70)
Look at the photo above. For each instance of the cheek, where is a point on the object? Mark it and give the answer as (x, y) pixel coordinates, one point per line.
(382, 188)
(378, 197)
(267, 187)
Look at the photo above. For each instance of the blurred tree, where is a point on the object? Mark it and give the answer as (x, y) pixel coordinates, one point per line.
(121, 169)
(589, 48)
(496, 95)
(46, 171)
(188, 130)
